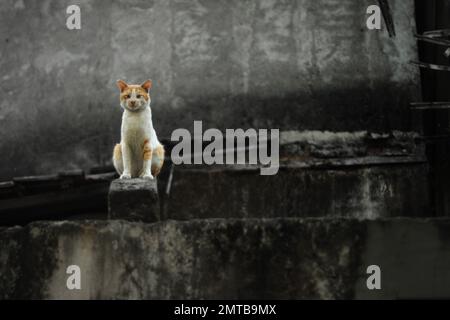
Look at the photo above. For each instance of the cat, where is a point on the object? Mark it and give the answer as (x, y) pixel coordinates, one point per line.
(139, 153)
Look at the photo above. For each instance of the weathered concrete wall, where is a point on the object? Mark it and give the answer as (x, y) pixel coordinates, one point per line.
(354, 174)
(291, 64)
(233, 192)
(215, 258)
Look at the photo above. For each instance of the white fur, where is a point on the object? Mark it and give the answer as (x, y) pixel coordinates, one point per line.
(137, 126)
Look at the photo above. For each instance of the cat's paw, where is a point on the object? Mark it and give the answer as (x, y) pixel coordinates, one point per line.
(125, 176)
(147, 176)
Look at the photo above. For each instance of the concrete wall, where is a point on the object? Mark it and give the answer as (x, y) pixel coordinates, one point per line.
(366, 193)
(227, 259)
(236, 63)
(354, 174)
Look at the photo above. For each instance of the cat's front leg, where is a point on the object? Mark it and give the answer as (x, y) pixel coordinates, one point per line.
(126, 154)
(147, 153)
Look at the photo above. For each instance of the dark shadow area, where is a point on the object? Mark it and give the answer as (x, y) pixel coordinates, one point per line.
(434, 15)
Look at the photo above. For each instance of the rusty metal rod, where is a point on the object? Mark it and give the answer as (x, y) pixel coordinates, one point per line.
(434, 40)
(430, 66)
(437, 33)
(387, 16)
(429, 105)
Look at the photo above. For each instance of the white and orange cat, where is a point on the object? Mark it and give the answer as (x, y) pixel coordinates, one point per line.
(139, 154)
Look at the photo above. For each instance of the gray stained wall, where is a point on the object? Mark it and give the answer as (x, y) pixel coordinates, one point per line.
(227, 259)
(276, 64)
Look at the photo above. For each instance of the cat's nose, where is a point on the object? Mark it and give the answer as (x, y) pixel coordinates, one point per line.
(133, 103)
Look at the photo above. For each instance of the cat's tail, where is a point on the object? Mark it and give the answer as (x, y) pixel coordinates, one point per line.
(157, 159)
(117, 158)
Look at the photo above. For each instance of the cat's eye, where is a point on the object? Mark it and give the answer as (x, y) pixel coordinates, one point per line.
(127, 96)
(138, 96)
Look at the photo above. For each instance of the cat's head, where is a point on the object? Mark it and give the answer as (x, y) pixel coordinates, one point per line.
(134, 97)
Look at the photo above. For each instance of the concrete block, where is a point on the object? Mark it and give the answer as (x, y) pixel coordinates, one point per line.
(134, 200)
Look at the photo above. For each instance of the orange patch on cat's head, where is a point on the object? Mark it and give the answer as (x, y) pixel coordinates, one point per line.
(127, 89)
(126, 93)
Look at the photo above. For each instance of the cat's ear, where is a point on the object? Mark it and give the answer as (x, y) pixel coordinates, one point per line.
(147, 85)
(122, 85)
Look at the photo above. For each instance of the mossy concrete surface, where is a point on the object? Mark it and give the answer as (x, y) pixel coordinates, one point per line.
(284, 258)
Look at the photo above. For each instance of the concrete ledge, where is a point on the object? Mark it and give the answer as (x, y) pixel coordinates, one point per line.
(220, 259)
(358, 192)
(310, 145)
(134, 200)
